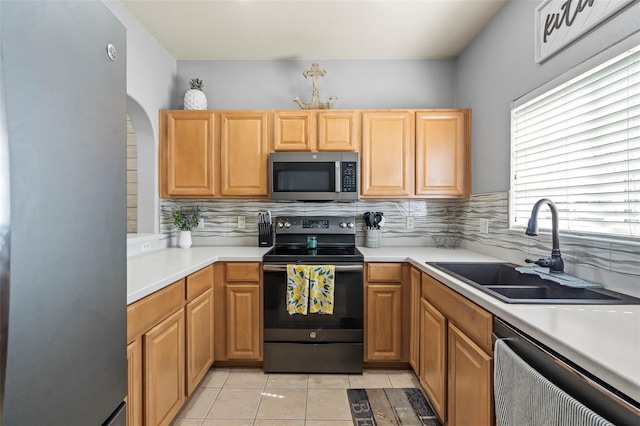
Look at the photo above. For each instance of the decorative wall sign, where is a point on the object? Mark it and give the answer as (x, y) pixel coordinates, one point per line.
(560, 22)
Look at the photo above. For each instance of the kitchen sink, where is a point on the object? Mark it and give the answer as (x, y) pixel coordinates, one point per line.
(504, 282)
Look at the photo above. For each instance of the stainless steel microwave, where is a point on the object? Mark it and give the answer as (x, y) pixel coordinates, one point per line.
(314, 176)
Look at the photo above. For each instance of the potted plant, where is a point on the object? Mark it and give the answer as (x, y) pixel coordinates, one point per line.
(186, 219)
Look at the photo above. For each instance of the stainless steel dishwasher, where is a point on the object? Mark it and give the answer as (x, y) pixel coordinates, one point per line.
(580, 385)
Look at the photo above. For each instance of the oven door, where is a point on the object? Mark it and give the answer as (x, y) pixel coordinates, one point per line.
(344, 325)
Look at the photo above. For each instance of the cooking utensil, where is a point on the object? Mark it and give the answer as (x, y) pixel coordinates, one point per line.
(372, 219)
(365, 216)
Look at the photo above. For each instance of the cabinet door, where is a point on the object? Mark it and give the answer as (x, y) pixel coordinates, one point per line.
(433, 357)
(443, 157)
(470, 384)
(338, 130)
(294, 131)
(244, 153)
(387, 159)
(414, 322)
(243, 322)
(134, 383)
(188, 153)
(199, 313)
(164, 370)
(383, 323)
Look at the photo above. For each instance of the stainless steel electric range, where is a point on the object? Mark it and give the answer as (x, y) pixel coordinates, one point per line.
(314, 343)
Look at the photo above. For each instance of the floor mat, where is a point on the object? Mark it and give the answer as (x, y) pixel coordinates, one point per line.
(390, 407)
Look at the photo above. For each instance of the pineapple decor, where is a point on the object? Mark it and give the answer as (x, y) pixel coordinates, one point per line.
(195, 98)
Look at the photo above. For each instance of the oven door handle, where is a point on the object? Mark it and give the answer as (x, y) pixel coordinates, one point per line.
(339, 268)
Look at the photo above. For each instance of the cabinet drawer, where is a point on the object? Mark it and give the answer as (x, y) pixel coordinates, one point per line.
(384, 272)
(199, 281)
(469, 317)
(245, 271)
(147, 312)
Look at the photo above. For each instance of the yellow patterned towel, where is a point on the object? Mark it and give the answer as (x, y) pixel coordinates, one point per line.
(297, 289)
(321, 284)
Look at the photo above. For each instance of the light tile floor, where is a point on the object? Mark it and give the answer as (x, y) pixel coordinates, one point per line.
(250, 397)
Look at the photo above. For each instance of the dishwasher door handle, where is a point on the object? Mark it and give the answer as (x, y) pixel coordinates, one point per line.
(339, 268)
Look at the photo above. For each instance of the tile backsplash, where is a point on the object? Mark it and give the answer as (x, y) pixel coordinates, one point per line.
(431, 217)
(221, 219)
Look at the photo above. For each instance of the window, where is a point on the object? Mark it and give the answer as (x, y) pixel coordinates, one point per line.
(579, 145)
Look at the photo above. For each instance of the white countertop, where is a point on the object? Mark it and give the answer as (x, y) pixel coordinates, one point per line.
(148, 273)
(602, 339)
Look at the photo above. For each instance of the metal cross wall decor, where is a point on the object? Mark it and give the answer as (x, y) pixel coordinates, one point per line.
(314, 73)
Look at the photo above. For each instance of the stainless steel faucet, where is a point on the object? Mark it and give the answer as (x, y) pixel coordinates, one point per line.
(554, 263)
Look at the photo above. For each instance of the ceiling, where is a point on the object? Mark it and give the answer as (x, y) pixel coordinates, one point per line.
(313, 29)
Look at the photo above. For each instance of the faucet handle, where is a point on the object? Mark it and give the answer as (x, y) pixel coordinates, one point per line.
(555, 264)
(544, 262)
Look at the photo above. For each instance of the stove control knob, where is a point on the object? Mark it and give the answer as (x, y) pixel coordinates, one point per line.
(313, 334)
(343, 225)
(280, 224)
(350, 225)
(287, 225)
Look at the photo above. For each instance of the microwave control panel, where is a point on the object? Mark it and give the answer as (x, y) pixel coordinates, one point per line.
(349, 176)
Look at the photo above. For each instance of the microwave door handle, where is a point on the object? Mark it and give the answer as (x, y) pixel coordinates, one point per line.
(338, 177)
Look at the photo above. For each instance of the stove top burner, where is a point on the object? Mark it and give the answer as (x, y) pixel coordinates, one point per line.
(287, 254)
(334, 235)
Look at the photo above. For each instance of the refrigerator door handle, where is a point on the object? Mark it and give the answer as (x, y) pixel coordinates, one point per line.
(5, 233)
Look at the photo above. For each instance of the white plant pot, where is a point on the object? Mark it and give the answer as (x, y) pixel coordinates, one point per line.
(195, 99)
(185, 239)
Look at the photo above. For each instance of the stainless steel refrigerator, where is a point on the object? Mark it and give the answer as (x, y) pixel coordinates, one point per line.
(62, 214)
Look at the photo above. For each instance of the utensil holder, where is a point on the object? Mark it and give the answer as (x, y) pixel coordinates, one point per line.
(265, 235)
(372, 238)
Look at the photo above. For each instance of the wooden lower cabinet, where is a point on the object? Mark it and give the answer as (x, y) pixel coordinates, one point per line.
(455, 355)
(470, 389)
(414, 322)
(164, 367)
(243, 322)
(238, 311)
(384, 322)
(170, 336)
(199, 335)
(134, 383)
(433, 357)
(384, 319)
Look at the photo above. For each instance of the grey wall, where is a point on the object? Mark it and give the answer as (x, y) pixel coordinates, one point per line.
(151, 72)
(357, 84)
(498, 67)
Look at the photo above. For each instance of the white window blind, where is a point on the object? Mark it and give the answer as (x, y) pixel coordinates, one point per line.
(579, 145)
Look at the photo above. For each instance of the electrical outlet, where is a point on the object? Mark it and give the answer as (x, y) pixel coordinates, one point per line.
(484, 226)
(201, 223)
(242, 222)
(410, 222)
(146, 246)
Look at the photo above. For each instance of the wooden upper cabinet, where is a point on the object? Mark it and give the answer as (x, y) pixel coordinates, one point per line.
(294, 131)
(244, 153)
(443, 153)
(387, 154)
(338, 130)
(315, 130)
(187, 153)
